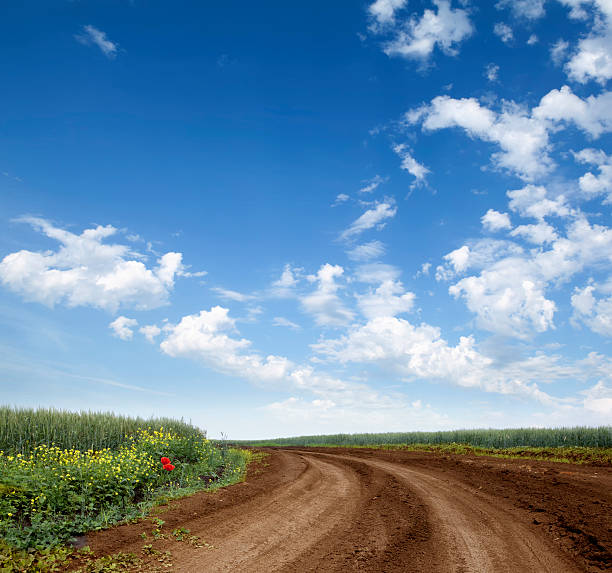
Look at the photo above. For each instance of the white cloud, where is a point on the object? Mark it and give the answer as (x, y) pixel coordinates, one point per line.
(424, 270)
(340, 198)
(523, 139)
(282, 321)
(207, 338)
(298, 416)
(375, 273)
(459, 258)
(122, 327)
(539, 233)
(410, 164)
(504, 32)
(592, 59)
(371, 218)
(91, 36)
(592, 115)
(595, 313)
(598, 399)
(284, 287)
(373, 184)
(419, 352)
(324, 303)
(232, 294)
(491, 72)
(530, 9)
(493, 221)
(533, 201)
(532, 40)
(388, 299)
(522, 135)
(85, 271)
(417, 38)
(150, 332)
(509, 295)
(558, 52)
(204, 337)
(367, 251)
(593, 185)
(383, 11)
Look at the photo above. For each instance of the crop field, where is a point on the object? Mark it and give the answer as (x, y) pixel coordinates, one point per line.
(93, 492)
(506, 438)
(63, 474)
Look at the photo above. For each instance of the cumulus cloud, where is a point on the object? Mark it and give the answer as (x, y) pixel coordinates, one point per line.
(533, 201)
(207, 337)
(593, 115)
(122, 327)
(539, 233)
(388, 299)
(284, 287)
(595, 313)
(374, 217)
(592, 58)
(150, 332)
(493, 221)
(85, 271)
(504, 32)
(508, 296)
(324, 304)
(419, 352)
(91, 36)
(383, 11)
(416, 38)
(523, 136)
(523, 139)
(593, 185)
(210, 337)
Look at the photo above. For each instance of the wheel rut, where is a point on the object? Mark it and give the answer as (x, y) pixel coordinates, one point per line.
(349, 510)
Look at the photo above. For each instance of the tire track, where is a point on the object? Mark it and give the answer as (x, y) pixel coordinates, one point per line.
(273, 533)
(341, 510)
(473, 533)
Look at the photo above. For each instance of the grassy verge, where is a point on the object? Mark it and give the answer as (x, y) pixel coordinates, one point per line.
(51, 494)
(570, 455)
(51, 554)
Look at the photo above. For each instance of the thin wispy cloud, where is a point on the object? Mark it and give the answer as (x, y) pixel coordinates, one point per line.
(92, 36)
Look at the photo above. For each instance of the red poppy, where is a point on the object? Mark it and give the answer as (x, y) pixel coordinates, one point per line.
(168, 467)
(165, 460)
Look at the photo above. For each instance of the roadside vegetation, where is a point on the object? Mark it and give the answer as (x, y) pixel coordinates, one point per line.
(63, 474)
(572, 445)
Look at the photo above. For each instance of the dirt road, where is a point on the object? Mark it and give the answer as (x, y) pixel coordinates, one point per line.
(371, 510)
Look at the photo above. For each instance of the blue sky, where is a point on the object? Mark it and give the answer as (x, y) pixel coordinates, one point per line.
(277, 219)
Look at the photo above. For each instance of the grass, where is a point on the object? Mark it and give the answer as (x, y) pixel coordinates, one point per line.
(51, 493)
(600, 437)
(22, 429)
